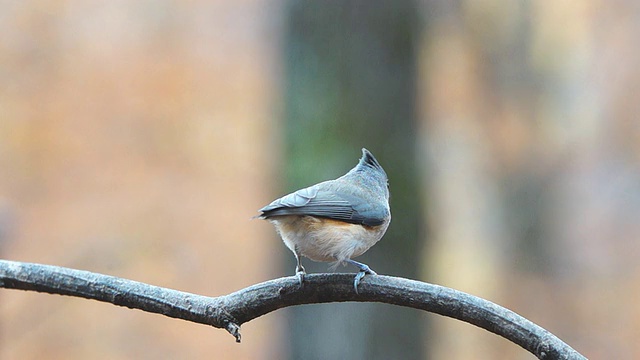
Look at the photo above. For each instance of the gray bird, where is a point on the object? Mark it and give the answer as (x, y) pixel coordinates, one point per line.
(335, 220)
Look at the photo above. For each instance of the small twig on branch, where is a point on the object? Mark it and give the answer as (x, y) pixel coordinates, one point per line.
(231, 311)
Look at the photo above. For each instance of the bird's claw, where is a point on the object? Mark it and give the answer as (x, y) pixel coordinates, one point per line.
(360, 275)
(364, 270)
(300, 273)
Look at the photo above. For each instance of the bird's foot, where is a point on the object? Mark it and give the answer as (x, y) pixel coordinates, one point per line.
(300, 273)
(364, 270)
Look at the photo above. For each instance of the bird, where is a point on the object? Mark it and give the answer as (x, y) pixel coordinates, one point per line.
(335, 220)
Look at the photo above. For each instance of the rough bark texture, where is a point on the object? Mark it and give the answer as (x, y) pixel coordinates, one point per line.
(231, 311)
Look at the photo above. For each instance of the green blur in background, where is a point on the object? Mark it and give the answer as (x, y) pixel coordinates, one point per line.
(137, 139)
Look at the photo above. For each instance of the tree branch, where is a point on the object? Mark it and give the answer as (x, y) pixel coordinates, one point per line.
(231, 311)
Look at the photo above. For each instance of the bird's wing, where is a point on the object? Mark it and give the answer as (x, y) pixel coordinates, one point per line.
(316, 201)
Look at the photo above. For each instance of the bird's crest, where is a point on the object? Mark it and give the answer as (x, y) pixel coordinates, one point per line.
(369, 160)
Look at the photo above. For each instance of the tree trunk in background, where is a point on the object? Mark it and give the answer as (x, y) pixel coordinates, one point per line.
(350, 83)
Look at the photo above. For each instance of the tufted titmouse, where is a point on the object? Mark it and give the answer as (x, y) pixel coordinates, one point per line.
(335, 220)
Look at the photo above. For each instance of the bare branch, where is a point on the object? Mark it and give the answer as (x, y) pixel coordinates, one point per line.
(231, 311)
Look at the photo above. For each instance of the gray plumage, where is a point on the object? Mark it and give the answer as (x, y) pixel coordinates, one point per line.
(358, 197)
(335, 220)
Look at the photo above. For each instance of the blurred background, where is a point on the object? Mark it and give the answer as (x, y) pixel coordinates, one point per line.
(138, 138)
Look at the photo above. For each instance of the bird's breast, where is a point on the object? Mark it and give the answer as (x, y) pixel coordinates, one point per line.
(327, 240)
